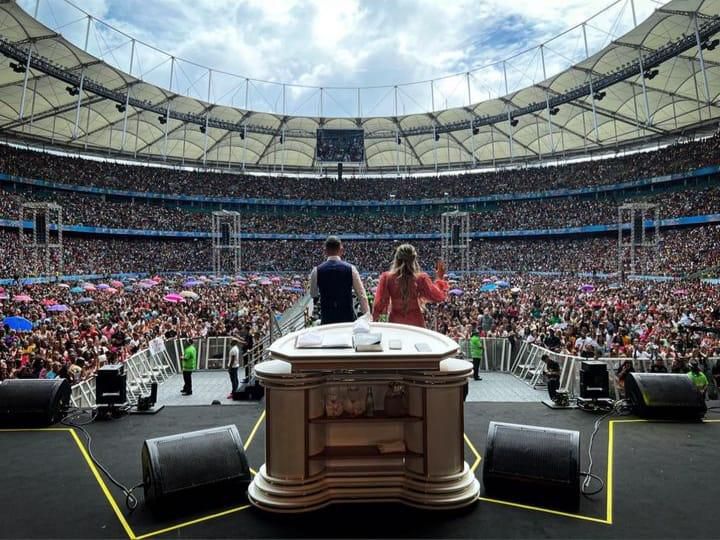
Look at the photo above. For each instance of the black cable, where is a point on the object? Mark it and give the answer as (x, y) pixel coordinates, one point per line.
(130, 500)
(617, 408)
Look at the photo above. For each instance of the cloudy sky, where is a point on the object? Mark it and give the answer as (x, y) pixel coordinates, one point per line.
(341, 43)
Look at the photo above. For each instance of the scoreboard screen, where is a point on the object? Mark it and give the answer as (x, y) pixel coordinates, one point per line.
(340, 145)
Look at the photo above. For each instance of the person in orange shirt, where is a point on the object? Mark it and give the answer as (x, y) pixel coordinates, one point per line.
(405, 287)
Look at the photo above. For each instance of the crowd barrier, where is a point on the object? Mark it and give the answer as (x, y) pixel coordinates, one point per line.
(163, 358)
(528, 367)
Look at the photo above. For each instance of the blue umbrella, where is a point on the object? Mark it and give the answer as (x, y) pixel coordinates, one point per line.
(85, 300)
(502, 283)
(488, 287)
(77, 290)
(19, 324)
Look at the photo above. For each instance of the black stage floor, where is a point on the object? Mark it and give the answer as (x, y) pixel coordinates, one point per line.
(663, 483)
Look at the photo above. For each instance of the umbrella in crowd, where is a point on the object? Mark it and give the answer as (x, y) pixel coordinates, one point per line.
(117, 284)
(587, 287)
(89, 287)
(63, 285)
(488, 287)
(456, 292)
(192, 283)
(48, 302)
(190, 294)
(84, 300)
(173, 298)
(502, 283)
(24, 298)
(110, 290)
(293, 289)
(276, 279)
(265, 282)
(487, 280)
(19, 324)
(58, 308)
(77, 290)
(4, 296)
(102, 286)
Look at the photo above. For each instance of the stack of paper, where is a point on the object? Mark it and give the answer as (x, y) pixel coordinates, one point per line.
(317, 340)
(368, 342)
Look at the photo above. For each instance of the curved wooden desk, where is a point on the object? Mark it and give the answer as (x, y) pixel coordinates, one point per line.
(314, 460)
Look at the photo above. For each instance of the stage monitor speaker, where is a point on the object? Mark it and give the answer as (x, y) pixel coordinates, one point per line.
(111, 385)
(33, 402)
(669, 396)
(594, 380)
(339, 171)
(211, 460)
(532, 464)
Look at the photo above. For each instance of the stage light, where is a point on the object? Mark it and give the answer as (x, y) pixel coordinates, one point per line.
(475, 130)
(242, 135)
(514, 122)
(598, 96)
(554, 111)
(72, 90)
(710, 45)
(17, 68)
(282, 138)
(437, 135)
(120, 107)
(202, 129)
(162, 119)
(398, 140)
(650, 74)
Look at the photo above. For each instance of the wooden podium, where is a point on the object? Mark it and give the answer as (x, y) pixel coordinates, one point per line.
(414, 455)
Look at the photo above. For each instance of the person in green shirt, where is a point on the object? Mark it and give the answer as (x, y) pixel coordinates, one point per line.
(477, 352)
(189, 364)
(698, 378)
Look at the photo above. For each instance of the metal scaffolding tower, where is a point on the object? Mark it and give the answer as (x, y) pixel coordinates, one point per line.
(455, 240)
(227, 245)
(44, 237)
(634, 236)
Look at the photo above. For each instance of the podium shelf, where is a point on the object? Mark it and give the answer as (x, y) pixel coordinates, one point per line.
(355, 452)
(379, 417)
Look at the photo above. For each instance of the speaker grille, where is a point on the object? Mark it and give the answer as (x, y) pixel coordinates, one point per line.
(664, 395)
(533, 454)
(213, 459)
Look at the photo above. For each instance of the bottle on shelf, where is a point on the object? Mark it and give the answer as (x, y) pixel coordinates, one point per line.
(369, 403)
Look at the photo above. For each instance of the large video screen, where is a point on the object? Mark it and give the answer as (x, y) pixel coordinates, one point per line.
(341, 145)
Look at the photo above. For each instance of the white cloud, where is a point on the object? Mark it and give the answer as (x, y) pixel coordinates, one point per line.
(348, 43)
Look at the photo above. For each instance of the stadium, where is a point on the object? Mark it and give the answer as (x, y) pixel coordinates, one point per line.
(167, 224)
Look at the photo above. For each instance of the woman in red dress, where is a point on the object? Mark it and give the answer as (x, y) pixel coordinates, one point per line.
(405, 288)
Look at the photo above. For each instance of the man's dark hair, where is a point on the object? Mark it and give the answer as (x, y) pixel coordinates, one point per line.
(333, 244)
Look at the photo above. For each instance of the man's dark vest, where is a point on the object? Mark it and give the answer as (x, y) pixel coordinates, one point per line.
(334, 279)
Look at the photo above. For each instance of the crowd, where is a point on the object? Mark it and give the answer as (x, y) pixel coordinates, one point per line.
(87, 210)
(108, 327)
(670, 323)
(677, 158)
(681, 252)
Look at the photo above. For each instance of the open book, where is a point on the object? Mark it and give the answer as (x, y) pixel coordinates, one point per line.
(317, 340)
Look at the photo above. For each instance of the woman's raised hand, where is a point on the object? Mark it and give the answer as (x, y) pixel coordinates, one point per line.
(440, 269)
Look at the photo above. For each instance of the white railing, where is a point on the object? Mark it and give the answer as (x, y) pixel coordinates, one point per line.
(497, 353)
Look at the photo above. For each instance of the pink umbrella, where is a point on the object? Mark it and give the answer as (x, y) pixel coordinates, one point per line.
(486, 280)
(48, 302)
(4, 296)
(173, 298)
(266, 282)
(22, 298)
(240, 283)
(276, 279)
(89, 287)
(117, 284)
(156, 279)
(110, 290)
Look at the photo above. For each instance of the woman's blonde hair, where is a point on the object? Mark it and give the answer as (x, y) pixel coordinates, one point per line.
(405, 267)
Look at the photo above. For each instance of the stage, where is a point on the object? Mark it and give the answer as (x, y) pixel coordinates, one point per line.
(661, 482)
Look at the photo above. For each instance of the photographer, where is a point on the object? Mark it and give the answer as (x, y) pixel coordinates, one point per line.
(552, 375)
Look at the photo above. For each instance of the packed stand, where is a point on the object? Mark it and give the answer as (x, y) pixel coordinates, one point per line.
(677, 158)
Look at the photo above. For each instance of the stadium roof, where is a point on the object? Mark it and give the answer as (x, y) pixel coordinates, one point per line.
(653, 81)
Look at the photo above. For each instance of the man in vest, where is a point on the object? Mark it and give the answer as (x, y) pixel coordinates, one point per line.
(334, 281)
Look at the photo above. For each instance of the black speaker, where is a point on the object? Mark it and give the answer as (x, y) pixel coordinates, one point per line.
(532, 464)
(455, 235)
(669, 396)
(594, 380)
(249, 391)
(178, 465)
(339, 170)
(33, 402)
(111, 385)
